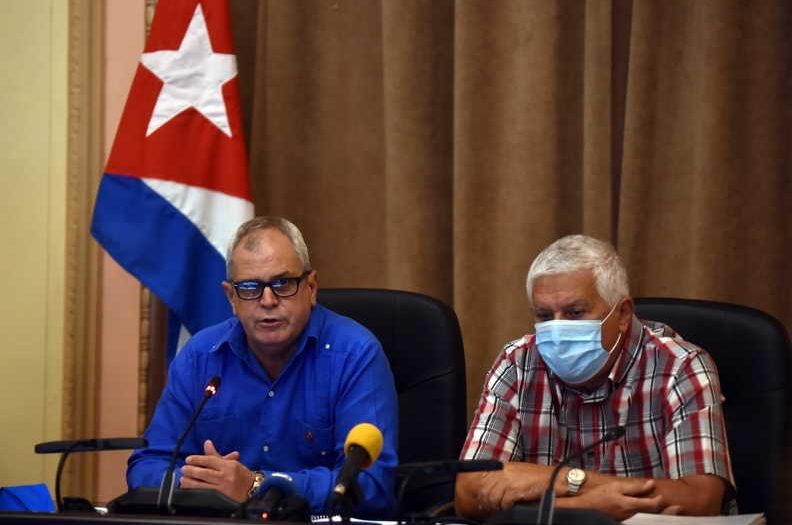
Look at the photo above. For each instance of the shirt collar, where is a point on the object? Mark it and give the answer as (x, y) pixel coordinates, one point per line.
(236, 340)
(629, 353)
(310, 333)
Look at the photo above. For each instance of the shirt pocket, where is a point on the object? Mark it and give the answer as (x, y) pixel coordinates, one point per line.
(316, 445)
(223, 430)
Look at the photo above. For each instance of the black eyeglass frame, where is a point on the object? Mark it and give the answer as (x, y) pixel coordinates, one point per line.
(272, 284)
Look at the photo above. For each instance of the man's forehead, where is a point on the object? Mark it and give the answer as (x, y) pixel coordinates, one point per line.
(262, 237)
(269, 241)
(266, 249)
(564, 289)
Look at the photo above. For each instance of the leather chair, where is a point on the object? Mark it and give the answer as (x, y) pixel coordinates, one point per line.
(752, 352)
(423, 343)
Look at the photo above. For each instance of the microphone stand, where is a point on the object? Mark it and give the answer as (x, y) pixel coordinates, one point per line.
(165, 494)
(82, 445)
(59, 472)
(547, 503)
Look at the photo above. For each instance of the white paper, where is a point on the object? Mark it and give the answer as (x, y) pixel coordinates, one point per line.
(662, 519)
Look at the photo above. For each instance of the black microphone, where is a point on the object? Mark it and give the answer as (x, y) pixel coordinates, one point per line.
(90, 445)
(82, 445)
(449, 467)
(165, 494)
(266, 503)
(547, 503)
(446, 469)
(362, 448)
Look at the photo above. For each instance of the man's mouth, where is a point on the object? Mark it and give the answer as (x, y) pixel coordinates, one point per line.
(268, 322)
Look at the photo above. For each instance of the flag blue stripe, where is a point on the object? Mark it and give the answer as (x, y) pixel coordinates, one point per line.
(156, 243)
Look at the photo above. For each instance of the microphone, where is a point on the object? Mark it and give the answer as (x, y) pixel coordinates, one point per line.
(90, 445)
(547, 503)
(445, 470)
(267, 503)
(449, 467)
(165, 494)
(82, 445)
(362, 448)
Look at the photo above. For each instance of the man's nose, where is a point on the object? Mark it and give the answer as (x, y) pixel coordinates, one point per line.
(268, 298)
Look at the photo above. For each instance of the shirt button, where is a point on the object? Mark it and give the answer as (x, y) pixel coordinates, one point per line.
(265, 448)
(271, 393)
(324, 452)
(327, 346)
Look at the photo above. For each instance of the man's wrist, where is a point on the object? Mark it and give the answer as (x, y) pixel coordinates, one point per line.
(575, 478)
(255, 485)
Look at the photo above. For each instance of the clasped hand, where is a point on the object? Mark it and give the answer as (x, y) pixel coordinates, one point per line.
(621, 498)
(524, 482)
(223, 473)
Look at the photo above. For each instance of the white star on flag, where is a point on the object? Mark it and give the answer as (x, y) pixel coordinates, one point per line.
(193, 76)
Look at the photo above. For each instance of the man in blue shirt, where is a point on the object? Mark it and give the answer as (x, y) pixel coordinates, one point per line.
(296, 377)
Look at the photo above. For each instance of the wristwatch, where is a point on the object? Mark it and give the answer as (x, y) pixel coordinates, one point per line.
(575, 479)
(258, 479)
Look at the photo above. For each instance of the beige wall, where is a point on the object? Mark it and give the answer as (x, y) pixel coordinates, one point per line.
(33, 119)
(34, 47)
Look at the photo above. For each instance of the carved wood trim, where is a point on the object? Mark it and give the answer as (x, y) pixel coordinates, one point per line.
(153, 369)
(82, 254)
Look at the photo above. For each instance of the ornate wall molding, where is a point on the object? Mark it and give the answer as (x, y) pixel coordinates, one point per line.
(82, 254)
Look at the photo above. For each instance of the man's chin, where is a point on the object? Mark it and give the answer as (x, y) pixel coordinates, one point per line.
(270, 342)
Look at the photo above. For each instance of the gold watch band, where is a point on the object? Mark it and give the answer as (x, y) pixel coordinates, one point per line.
(258, 480)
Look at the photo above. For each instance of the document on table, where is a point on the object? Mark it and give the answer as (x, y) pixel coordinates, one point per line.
(661, 519)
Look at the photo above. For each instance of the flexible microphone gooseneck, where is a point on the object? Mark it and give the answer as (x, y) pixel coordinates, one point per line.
(547, 503)
(362, 448)
(165, 494)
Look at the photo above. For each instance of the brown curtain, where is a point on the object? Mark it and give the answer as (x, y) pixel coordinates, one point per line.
(437, 146)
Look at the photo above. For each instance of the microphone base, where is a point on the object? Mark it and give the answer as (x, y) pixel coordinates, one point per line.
(526, 514)
(185, 502)
(293, 509)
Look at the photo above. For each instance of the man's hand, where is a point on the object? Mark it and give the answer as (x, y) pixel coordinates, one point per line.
(224, 474)
(621, 499)
(501, 489)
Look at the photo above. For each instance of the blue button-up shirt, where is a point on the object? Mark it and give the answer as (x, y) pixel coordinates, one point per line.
(337, 377)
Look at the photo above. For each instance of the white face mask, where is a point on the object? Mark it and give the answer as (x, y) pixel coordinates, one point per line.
(573, 349)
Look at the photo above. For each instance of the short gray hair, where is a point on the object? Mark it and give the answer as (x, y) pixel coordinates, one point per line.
(285, 226)
(579, 252)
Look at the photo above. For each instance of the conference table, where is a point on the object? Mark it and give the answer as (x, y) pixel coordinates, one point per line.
(76, 518)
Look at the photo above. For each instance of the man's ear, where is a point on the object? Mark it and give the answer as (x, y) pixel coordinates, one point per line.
(625, 311)
(228, 289)
(312, 280)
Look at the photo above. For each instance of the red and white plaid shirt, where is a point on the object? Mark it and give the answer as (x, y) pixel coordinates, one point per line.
(663, 390)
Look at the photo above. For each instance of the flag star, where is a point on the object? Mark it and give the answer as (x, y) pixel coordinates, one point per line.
(193, 76)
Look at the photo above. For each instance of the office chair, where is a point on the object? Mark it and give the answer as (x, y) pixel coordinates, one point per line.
(423, 343)
(751, 350)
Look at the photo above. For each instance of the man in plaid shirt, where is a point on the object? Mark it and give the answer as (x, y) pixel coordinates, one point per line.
(592, 368)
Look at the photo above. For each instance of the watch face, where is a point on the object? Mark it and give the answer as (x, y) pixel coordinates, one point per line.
(576, 475)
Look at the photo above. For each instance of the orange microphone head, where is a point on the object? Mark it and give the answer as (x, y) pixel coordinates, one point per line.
(368, 437)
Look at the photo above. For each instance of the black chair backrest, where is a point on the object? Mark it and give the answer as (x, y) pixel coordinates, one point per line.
(422, 340)
(751, 350)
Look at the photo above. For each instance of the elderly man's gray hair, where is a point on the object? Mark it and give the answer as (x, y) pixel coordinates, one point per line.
(579, 252)
(284, 226)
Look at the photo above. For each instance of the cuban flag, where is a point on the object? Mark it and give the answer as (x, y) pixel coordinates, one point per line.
(176, 184)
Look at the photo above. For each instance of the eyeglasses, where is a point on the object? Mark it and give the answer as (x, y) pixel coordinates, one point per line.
(282, 287)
